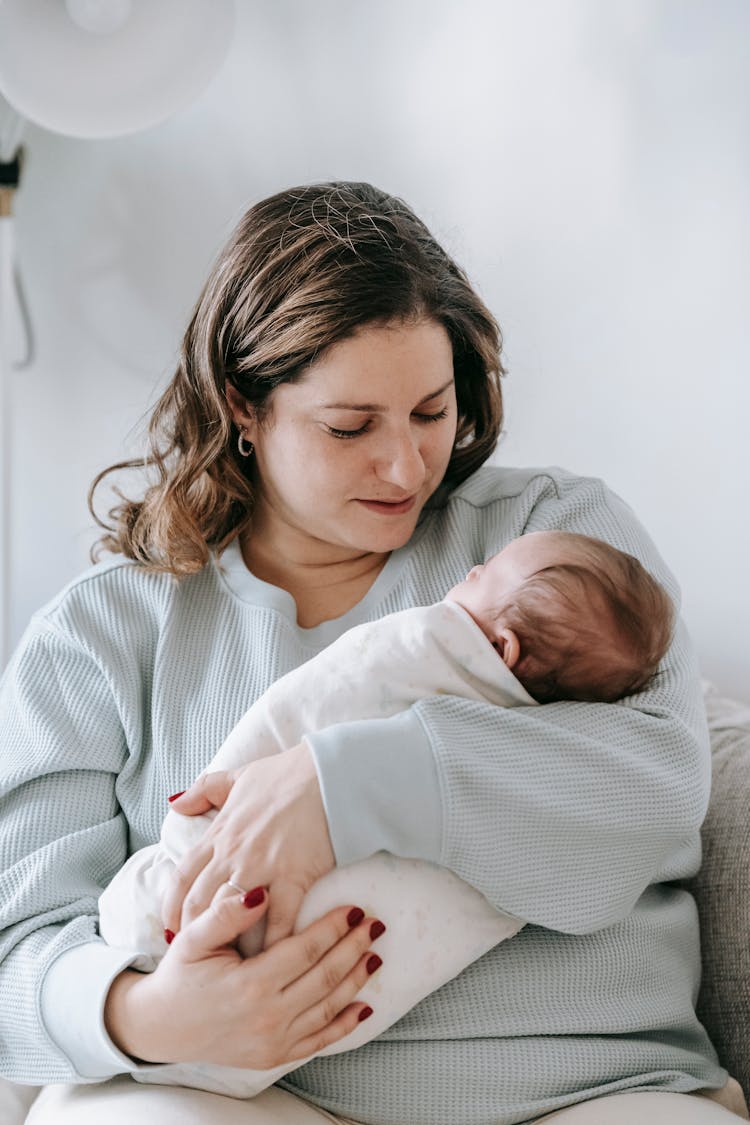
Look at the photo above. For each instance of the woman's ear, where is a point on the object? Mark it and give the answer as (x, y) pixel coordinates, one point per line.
(242, 412)
(506, 642)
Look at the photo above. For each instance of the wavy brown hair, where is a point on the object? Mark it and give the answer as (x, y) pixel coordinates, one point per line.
(302, 270)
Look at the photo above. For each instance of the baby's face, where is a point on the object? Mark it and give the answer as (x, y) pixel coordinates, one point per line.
(488, 585)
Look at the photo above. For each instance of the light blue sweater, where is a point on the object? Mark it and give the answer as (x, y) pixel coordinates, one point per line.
(578, 818)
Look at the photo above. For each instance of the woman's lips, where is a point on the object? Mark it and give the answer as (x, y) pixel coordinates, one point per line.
(390, 507)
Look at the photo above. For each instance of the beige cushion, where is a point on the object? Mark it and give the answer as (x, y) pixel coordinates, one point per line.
(722, 888)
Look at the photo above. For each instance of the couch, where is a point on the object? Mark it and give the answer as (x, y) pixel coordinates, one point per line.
(722, 888)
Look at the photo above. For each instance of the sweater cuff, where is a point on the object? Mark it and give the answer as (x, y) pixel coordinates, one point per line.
(74, 991)
(380, 788)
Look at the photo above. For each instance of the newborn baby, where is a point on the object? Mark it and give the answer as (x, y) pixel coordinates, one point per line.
(552, 616)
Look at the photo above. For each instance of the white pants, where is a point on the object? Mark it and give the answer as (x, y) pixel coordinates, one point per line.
(122, 1101)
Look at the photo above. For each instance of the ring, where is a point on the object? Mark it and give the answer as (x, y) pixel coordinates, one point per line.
(236, 887)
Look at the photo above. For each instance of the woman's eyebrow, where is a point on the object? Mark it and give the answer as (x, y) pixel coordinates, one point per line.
(374, 408)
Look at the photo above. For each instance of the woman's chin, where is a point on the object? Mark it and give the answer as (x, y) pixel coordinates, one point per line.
(388, 539)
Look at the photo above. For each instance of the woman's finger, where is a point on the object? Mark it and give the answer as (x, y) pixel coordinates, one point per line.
(229, 915)
(344, 1024)
(209, 791)
(337, 965)
(294, 956)
(217, 870)
(327, 1010)
(283, 911)
(186, 872)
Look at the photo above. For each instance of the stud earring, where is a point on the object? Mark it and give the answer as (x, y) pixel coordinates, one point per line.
(245, 447)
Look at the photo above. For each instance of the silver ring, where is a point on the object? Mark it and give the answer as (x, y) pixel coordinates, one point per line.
(236, 887)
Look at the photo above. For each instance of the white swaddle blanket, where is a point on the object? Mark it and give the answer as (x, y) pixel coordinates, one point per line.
(437, 924)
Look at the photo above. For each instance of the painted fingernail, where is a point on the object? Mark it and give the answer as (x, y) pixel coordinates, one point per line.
(176, 795)
(168, 936)
(355, 916)
(254, 897)
(376, 929)
(365, 1014)
(373, 962)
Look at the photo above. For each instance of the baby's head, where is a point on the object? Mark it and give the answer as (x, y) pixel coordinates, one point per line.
(572, 616)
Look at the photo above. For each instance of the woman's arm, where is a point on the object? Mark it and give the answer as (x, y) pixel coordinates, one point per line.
(561, 814)
(64, 835)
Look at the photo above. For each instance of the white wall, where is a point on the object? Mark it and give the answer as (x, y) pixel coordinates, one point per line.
(587, 162)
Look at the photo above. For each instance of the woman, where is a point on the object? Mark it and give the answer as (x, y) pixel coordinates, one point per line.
(315, 463)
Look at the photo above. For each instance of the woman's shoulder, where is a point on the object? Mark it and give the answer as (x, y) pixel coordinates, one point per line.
(116, 579)
(497, 504)
(493, 484)
(115, 604)
(524, 499)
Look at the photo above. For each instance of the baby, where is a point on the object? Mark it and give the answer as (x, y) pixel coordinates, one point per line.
(553, 616)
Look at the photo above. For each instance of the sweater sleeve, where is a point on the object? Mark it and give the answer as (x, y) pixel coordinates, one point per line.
(561, 814)
(63, 837)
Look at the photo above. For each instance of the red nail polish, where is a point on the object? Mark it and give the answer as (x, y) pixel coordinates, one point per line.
(376, 929)
(373, 962)
(355, 916)
(176, 795)
(254, 897)
(365, 1014)
(168, 937)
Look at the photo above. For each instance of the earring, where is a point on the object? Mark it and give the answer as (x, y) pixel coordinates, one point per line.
(245, 448)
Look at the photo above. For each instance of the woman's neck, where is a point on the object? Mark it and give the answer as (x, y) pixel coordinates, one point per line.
(325, 583)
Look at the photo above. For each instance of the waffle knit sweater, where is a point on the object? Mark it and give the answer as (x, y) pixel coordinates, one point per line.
(577, 818)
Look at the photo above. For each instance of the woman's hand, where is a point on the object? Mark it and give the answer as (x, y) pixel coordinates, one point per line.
(271, 831)
(205, 1002)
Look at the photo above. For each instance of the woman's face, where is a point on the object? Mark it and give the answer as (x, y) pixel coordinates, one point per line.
(349, 454)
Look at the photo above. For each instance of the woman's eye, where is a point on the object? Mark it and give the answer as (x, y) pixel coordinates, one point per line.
(433, 417)
(334, 432)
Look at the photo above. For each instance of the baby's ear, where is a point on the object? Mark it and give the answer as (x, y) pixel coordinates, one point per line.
(506, 643)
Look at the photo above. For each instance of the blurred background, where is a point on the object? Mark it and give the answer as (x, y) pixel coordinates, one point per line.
(587, 163)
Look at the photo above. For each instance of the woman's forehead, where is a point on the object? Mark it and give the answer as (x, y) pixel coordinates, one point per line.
(368, 370)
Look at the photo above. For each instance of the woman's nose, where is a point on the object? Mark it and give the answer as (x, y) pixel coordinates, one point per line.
(402, 464)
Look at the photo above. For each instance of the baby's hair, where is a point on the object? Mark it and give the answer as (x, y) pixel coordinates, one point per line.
(593, 628)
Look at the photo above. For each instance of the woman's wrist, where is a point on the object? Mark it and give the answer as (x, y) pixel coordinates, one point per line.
(129, 1018)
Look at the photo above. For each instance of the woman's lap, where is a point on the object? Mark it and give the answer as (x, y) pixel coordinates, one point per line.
(122, 1101)
(656, 1108)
